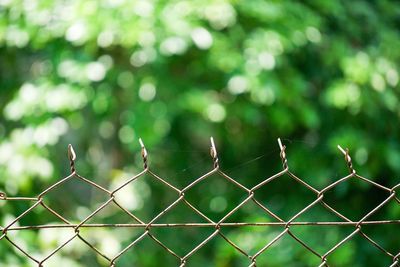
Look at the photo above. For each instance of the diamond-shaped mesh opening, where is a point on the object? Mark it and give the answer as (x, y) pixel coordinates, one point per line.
(389, 211)
(211, 254)
(114, 230)
(252, 211)
(210, 196)
(109, 241)
(296, 196)
(358, 250)
(147, 253)
(225, 254)
(76, 254)
(37, 215)
(146, 196)
(374, 234)
(29, 229)
(174, 215)
(14, 256)
(320, 211)
(113, 213)
(287, 252)
(74, 199)
(248, 240)
(247, 171)
(355, 198)
(185, 171)
(328, 235)
(38, 243)
(182, 240)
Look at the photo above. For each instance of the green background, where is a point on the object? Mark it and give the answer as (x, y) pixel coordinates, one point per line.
(101, 74)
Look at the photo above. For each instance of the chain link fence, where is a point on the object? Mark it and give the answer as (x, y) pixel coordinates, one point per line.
(217, 226)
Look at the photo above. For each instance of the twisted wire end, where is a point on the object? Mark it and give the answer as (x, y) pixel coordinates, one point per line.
(71, 157)
(143, 153)
(283, 154)
(213, 153)
(347, 158)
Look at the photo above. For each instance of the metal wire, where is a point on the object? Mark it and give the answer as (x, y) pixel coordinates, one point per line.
(147, 227)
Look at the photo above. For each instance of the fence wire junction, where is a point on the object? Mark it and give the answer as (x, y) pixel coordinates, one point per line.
(216, 225)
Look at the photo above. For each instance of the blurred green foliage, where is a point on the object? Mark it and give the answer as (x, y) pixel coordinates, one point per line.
(100, 74)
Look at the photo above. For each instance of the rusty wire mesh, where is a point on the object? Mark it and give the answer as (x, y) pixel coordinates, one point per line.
(216, 225)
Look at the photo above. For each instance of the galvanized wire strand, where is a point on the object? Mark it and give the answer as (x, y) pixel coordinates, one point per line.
(217, 225)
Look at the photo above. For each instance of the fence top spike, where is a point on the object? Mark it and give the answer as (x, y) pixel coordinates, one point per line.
(144, 152)
(280, 143)
(141, 143)
(347, 158)
(213, 150)
(71, 153)
(283, 154)
(213, 153)
(341, 149)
